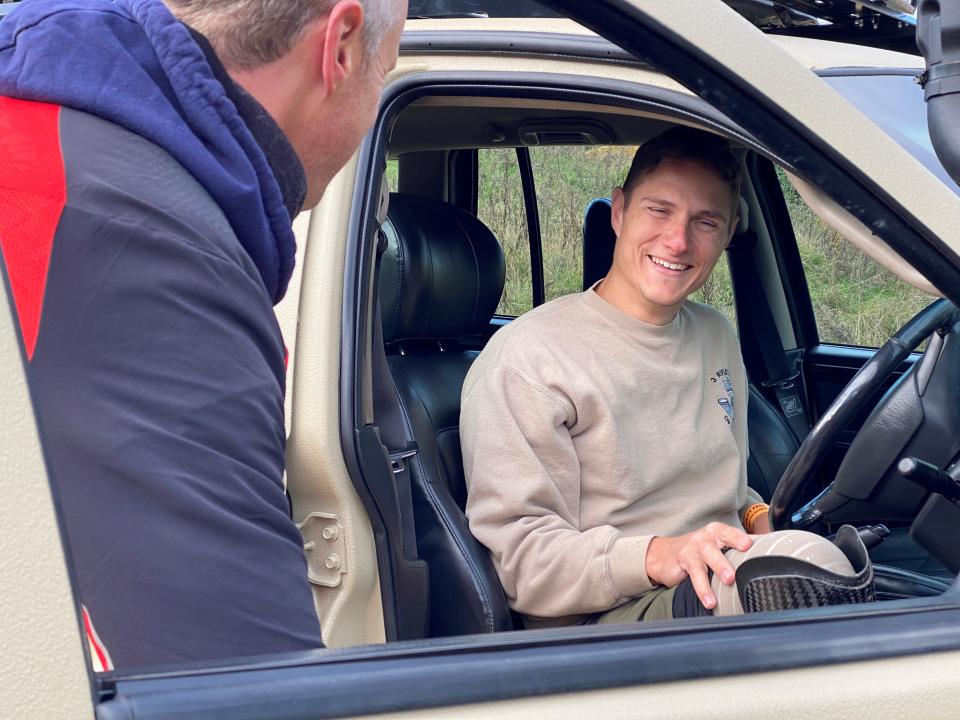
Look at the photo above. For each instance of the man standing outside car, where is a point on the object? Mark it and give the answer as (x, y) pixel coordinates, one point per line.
(604, 433)
(155, 154)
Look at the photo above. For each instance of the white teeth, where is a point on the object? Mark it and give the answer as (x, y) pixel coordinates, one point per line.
(668, 265)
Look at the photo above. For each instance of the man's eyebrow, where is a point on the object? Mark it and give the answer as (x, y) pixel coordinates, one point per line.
(712, 214)
(658, 200)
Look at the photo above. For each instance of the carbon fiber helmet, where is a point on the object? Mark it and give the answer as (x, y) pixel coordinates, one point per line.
(796, 569)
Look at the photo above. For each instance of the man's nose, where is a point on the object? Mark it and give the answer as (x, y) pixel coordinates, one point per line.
(676, 238)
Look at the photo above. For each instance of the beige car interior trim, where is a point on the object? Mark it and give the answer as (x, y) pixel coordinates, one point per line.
(859, 234)
(287, 310)
(875, 689)
(341, 554)
(43, 661)
(408, 64)
(769, 271)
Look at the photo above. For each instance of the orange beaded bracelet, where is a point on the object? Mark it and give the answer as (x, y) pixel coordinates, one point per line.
(751, 514)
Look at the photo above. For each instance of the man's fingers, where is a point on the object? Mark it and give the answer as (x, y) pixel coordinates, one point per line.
(734, 538)
(719, 564)
(698, 576)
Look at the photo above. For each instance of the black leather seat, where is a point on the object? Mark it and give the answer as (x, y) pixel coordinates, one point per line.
(441, 278)
(772, 442)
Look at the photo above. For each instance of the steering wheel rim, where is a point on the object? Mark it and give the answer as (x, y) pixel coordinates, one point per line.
(936, 316)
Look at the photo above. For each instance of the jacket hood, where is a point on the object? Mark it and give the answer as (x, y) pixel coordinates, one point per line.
(131, 62)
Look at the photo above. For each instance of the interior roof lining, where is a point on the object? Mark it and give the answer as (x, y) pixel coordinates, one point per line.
(465, 126)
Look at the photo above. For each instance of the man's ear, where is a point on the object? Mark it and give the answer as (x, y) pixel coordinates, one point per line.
(733, 229)
(616, 210)
(734, 224)
(342, 44)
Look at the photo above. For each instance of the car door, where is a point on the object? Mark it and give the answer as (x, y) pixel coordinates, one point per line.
(901, 659)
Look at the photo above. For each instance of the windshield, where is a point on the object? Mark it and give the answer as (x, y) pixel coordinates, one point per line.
(895, 103)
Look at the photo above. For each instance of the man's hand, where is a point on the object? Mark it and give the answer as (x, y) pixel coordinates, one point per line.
(672, 559)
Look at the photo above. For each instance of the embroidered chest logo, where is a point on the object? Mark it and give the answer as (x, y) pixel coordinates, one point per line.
(722, 376)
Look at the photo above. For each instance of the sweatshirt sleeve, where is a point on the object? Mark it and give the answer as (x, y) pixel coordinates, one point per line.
(523, 478)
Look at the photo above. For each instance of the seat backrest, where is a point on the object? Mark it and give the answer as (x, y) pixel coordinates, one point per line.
(772, 442)
(598, 241)
(441, 278)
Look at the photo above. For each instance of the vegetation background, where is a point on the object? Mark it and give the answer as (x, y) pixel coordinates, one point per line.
(856, 301)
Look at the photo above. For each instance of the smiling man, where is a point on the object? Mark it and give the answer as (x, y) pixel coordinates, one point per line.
(604, 434)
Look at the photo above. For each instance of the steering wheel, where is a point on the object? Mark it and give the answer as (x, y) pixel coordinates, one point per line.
(938, 316)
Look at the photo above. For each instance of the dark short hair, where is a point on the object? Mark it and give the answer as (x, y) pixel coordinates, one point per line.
(685, 143)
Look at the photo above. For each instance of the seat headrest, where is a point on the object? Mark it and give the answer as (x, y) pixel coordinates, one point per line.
(598, 241)
(442, 274)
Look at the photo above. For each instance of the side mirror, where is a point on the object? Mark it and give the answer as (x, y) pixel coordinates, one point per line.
(938, 37)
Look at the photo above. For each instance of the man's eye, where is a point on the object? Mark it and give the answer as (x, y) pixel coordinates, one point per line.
(658, 211)
(708, 225)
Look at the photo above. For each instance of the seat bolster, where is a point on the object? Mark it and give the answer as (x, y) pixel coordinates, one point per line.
(461, 570)
(459, 567)
(772, 444)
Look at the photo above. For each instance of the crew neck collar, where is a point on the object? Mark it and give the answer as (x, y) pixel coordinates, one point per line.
(631, 325)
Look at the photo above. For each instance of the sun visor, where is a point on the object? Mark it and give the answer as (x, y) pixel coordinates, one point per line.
(859, 234)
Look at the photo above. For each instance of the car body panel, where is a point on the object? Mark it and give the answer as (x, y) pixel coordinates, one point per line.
(43, 660)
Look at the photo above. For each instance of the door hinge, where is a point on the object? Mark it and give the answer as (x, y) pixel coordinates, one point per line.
(324, 547)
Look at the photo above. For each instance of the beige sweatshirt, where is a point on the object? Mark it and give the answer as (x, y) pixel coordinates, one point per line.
(585, 433)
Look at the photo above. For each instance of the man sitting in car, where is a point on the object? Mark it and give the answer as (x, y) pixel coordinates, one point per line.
(604, 433)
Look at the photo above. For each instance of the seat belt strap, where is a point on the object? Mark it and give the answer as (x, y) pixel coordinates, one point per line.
(388, 411)
(755, 317)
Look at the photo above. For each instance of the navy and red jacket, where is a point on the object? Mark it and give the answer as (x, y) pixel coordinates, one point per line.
(146, 236)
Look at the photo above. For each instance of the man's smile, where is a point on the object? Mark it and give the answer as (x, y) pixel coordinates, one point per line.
(672, 266)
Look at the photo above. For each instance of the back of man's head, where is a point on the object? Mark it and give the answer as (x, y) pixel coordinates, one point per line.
(685, 143)
(249, 33)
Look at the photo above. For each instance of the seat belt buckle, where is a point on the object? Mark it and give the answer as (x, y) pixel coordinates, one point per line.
(398, 459)
(784, 383)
